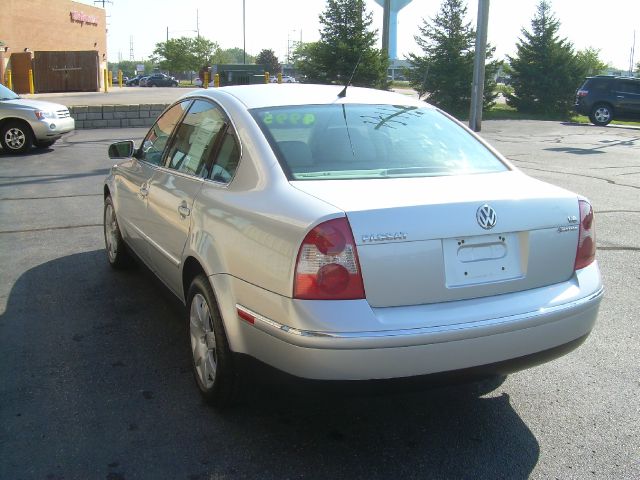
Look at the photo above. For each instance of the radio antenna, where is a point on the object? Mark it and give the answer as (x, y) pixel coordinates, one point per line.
(343, 93)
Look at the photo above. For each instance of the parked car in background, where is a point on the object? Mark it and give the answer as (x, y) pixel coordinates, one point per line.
(134, 81)
(160, 80)
(198, 82)
(25, 122)
(285, 79)
(605, 98)
(349, 234)
(143, 81)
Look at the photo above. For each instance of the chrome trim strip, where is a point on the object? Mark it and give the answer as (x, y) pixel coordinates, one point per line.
(172, 259)
(419, 336)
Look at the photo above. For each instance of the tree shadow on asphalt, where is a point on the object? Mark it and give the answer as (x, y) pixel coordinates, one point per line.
(50, 178)
(616, 126)
(97, 384)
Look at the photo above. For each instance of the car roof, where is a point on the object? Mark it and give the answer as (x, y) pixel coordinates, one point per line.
(613, 77)
(273, 95)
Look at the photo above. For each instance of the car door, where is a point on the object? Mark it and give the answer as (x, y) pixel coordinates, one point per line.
(628, 96)
(173, 188)
(134, 178)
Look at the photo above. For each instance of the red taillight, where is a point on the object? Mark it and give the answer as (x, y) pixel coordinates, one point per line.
(582, 93)
(586, 252)
(327, 267)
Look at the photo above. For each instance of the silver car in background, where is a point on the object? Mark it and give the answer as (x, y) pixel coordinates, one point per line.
(349, 235)
(25, 122)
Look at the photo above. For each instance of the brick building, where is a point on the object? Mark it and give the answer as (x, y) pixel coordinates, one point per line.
(63, 42)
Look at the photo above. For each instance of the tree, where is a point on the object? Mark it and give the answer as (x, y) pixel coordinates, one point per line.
(444, 73)
(186, 54)
(269, 60)
(544, 72)
(305, 59)
(589, 62)
(345, 41)
(128, 67)
(236, 55)
(173, 55)
(204, 52)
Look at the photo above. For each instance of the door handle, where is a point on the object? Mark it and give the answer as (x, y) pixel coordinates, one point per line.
(184, 210)
(144, 190)
(620, 96)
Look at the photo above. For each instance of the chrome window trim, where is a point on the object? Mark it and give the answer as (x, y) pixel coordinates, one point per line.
(180, 174)
(418, 336)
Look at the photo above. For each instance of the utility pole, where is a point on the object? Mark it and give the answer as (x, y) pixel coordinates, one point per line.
(244, 37)
(477, 89)
(198, 23)
(632, 54)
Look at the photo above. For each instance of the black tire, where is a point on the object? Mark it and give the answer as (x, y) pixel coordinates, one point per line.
(601, 114)
(16, 136)
(117, 253)
(212, 360)
(43, 143)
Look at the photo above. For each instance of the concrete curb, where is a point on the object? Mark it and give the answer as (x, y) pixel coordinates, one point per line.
(116, 116)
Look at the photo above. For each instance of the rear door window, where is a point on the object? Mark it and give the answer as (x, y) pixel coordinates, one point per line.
(228, 157)
(196, 139)
(629, 86)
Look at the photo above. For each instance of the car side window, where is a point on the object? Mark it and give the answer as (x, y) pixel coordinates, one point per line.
(156, 140)
(195, 139)
(227, 159)
(627, 86)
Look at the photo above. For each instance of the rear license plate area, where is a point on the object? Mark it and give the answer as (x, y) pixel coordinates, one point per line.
(483, 259)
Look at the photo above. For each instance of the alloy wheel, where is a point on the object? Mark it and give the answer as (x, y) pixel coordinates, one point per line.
(203, 341)
(602, 115)
(111, 232)
(15, 138)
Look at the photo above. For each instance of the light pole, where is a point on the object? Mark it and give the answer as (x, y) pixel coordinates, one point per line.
(244, 37)
(477, 89)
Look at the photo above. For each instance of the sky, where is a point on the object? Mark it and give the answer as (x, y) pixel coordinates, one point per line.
(274, 24)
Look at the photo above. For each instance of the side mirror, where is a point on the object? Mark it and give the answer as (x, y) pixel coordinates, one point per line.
(121, 149)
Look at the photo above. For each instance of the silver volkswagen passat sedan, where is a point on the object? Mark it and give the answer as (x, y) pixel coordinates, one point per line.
(349, 236)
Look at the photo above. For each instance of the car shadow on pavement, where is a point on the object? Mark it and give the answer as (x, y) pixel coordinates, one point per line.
(32, 152)
(96, 383)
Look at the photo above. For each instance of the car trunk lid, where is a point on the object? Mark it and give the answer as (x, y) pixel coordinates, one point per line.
(420, 240)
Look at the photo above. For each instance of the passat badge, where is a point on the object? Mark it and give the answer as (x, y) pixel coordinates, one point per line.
(384, 237)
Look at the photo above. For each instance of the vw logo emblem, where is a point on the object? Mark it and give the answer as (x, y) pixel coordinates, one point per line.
(486, 217)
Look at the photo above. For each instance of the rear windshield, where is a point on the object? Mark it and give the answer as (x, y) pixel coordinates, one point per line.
(371, 141)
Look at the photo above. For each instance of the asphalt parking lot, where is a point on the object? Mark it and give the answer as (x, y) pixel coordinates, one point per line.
(95, 380)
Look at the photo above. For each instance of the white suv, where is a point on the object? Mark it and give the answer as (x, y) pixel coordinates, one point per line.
(26, 122)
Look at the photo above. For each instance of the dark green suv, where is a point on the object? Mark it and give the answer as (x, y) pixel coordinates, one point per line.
(605, 98)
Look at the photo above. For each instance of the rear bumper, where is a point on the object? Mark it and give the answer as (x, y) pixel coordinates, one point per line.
(270, 377)
(581, 108)
(422, 351)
